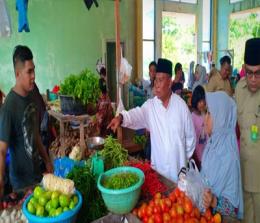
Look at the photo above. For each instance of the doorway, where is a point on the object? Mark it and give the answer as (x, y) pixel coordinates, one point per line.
(179, 39)
(111, 68)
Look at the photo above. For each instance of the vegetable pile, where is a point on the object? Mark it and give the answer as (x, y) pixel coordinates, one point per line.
(114, 154)
(176, 207)
(120, 181)
(46, 203)
(10, 216)
(84, 87)
(93, 206)
(152, 184)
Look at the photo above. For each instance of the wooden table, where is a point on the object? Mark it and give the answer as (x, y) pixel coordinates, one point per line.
(82, 119)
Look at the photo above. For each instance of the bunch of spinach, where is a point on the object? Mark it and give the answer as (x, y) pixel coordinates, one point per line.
(84, 87)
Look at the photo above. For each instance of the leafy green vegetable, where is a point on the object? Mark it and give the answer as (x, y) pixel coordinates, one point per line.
(93, 206)
(120, 181)
(114, 154)
(140, 139)
(84, 86)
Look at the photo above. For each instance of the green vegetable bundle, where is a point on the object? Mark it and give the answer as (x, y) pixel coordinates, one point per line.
(84, 87)
(93, 206)
(120, 181)
(114, 154)
(140, 139)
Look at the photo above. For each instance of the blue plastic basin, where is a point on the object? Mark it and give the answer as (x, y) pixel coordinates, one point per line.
(65, 217)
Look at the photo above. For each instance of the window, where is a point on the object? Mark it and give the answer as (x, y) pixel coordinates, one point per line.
(187, 1)
(148, 35)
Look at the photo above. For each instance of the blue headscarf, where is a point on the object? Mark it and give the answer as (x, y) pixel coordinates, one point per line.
(220, 160)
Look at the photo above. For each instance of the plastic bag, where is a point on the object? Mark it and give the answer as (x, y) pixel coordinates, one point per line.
(125, 70)
(5, 28)
(193, 184)
(62, 166)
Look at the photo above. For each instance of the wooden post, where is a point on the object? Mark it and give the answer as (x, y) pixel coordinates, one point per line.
(118, 50)
(118, 60)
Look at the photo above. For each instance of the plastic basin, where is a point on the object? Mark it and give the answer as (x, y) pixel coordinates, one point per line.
(124, 200)
(65, 217)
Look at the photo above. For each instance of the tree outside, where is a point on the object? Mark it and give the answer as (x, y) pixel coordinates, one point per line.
(242, 26)
(178, 38)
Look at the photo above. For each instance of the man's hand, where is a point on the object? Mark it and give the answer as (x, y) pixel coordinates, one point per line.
(115, 122)
(209, 200)
(49, 166)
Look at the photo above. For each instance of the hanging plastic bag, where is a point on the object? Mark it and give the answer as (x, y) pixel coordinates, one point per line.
(5, 28)
(125, 70)
(193, 184)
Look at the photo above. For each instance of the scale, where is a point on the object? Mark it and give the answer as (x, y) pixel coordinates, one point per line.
(97, 164)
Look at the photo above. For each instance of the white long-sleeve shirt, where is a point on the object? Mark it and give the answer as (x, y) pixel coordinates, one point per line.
(172, 133)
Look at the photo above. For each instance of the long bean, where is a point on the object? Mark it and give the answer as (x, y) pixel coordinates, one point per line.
(114, 154)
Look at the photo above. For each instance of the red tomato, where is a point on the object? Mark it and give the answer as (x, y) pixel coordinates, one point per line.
(196, 213)
(149, 211)
(145, 219)
(151, 219)
(180, 219)
(168, 202)
(187, 205)
(177, 192)
(164, 207)
(217, 218)
(158, 218)
(186, 216)
(208, 214)
(180, 200)
(157, 209)
(166, 217)
(182, 194)
(172, 196)
(158, 195)
(173, 212)
(203, 220)
(151, 203)
(157, 201)
(179, 209)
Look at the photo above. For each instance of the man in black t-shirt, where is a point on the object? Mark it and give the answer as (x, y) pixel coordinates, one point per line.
(19, 127)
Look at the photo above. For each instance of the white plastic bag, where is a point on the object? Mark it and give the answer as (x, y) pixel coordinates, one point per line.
(192, 183)
(125, 70)
(5, 28)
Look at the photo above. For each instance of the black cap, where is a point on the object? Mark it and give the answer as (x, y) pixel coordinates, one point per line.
(164, 66)
(252, 52)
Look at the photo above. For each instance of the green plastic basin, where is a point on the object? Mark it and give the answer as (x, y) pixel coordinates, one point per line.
(124, 200)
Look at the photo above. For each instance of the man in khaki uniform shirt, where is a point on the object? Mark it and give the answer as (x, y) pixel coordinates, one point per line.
(219, 81)
(248, 104)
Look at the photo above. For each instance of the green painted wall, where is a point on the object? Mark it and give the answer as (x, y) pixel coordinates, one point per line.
(224, 11)
(65, 38)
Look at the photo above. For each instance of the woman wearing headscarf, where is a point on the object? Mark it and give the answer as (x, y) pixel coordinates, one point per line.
(200, 76)
(220, 160)
(191, 75)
